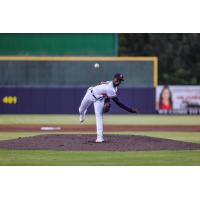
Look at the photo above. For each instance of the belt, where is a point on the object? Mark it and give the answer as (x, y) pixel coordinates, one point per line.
(93, 94)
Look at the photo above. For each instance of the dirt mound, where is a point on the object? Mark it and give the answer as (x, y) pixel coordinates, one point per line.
(78, 142)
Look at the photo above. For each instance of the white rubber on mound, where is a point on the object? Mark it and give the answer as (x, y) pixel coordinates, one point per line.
(49, 128)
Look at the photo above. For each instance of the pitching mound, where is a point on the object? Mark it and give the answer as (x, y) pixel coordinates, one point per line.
(86, 143)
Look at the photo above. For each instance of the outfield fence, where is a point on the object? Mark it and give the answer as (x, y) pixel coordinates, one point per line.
(66, 100)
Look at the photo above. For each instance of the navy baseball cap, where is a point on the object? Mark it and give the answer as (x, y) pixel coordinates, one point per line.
(119, 76)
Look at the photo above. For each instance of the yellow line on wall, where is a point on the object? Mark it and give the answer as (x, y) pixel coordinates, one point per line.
(155, 71)
(75, 58)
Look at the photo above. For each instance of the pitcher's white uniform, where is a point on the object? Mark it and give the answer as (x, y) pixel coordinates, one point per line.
(97, 95)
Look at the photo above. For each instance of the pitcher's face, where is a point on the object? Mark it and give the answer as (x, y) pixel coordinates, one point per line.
(116, 82)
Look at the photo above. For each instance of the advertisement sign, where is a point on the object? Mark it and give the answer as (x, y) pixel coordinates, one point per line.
(178, 99)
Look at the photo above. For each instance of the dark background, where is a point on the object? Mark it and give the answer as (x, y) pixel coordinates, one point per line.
(178, 54)
(33, 84)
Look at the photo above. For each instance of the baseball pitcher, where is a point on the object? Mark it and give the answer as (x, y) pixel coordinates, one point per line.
(100, 96)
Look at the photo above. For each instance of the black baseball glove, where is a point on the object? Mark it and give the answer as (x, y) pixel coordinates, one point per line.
(107, 105)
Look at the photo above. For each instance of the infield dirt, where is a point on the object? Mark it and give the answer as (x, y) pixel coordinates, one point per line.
(107, 128)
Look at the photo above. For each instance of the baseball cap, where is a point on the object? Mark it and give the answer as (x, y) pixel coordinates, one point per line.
(119, 76)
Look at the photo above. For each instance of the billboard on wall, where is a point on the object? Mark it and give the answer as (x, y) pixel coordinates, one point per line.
(178, 99)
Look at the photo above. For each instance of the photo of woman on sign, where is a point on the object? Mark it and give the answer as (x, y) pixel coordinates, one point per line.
(165, 99)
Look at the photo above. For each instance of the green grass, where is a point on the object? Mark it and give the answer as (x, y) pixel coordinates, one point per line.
(181, 136)
(108, 119)
(14, 135)
(62, 158)
(51, 158)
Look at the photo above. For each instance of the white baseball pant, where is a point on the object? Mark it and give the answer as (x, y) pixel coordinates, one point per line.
(98, 108)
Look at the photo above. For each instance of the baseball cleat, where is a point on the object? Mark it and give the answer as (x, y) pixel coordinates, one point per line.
(99, 140)
(82, 118)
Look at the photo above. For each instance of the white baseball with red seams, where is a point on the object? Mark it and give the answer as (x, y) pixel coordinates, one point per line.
(97, 95)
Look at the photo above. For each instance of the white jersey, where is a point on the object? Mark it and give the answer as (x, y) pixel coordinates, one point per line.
(96, 95)
(106, 89)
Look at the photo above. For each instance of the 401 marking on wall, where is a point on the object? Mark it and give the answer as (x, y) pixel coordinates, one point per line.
(9, 100)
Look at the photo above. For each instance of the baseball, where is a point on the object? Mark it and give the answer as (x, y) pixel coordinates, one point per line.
(96, 65)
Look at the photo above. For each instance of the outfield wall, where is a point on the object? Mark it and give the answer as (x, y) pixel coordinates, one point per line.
(66, 100)
(76, 71)
(56, 84)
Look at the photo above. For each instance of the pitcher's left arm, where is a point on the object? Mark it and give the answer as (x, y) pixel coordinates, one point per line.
(121, 105)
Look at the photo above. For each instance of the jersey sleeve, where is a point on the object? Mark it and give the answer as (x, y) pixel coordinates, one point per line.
(103, 82)
(111, 93)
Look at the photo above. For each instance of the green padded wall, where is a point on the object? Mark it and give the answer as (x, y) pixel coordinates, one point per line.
(75, 73)
(59, 44)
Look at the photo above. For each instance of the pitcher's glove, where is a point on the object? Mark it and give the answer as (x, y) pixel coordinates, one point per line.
(107, 105)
